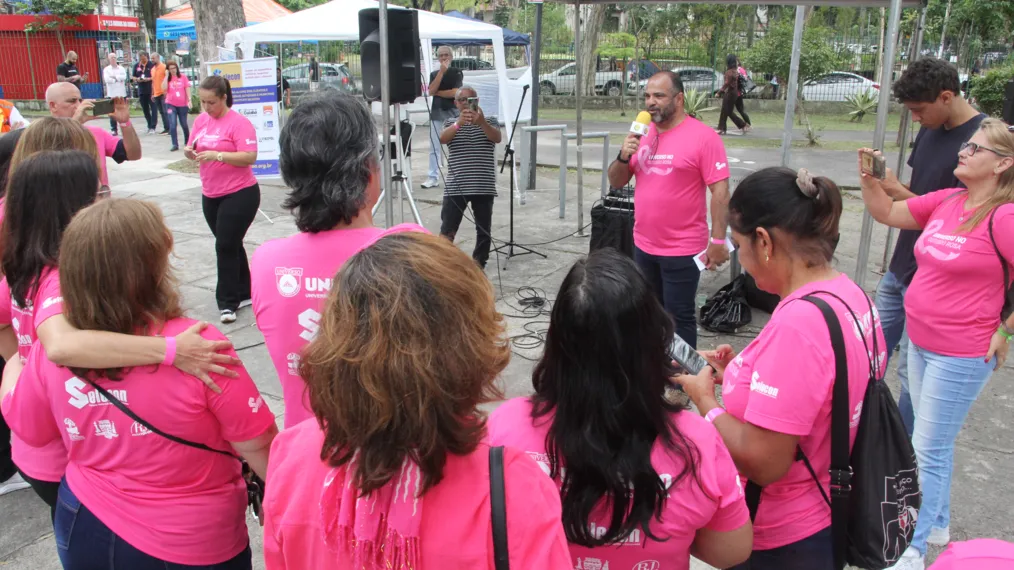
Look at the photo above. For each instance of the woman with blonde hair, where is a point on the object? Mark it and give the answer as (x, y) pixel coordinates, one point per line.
(957, 307)
(55, 133)
(392, 472)
(132, 498)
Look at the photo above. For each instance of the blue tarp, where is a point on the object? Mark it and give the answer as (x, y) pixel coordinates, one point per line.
(173, 29)
(510, 37)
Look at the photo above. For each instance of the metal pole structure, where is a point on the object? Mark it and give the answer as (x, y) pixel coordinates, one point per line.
(883, 107)
(579, 86)
(533, 143)
(385, 119)
(793, 87)
(31, 66)
(906, 123)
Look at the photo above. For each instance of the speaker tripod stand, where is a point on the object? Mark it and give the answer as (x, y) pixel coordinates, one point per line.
(399, 181)
(511, 248)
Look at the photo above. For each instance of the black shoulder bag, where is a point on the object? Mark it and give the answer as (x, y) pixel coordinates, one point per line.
(1008, 287)
(498, 508)
(254, 484)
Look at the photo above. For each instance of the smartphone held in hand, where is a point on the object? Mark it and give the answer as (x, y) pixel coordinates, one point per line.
(102, 107)
(685, 355)
(473, 104)
(874, 165)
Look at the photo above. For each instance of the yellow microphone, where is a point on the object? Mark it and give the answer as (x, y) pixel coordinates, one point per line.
(640, 125)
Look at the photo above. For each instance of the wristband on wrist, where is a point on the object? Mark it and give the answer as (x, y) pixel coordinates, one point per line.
(1003, 332)
(457, 127)
(714, 413)
(1007, 330)
(170, 351)
(619, 157)
(717, 241)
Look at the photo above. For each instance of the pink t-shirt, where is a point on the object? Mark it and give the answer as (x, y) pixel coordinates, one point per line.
(978, 554)
(106, 142)
(717, 504)
(171, 501)
(673, 173)
(953, 304)
(177, 93)
(783, 380)
(455, 532)
(43, 462)
(290, 277)
(230, 133)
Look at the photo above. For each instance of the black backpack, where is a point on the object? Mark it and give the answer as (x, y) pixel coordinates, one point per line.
(1008, 287)
(874, 494)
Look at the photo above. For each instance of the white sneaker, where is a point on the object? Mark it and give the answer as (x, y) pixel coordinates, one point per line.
(939, 536)
(431, 183)
(246, 303)
(15, 483)
(910, 560)
(228, 316)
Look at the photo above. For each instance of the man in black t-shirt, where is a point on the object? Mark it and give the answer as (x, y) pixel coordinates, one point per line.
(282, 88)
(930, 89)
(444, 84)
(141, 77)
(67, 71)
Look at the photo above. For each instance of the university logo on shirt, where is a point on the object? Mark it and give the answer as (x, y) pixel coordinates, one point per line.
(137, 429)
(288, 279)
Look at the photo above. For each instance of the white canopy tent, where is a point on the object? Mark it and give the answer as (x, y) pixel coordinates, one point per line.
(339, 21)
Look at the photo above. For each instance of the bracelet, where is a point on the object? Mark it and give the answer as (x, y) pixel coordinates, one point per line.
(1003, 332)
(717, 241)
(170, 351)
(619, 158)
(1007, 330)
(457, 127)
(714, 413)
(127, 124)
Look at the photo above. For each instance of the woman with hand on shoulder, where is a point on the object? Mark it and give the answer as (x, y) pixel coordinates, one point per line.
(133, 499)
(954, 308)
(639, 478)
(777, 391)
(45, 191)
(225, 144)
(392, 472)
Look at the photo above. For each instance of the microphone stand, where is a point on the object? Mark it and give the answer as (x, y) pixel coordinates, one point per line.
(510, 245)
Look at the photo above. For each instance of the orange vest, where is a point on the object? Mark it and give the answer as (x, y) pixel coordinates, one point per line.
(5, 115)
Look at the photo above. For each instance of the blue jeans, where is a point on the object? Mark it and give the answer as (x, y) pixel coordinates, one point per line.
(85, 543)
(178, 115)
(943, 390)
(437, 118)
(814, 552)
(890, 303)
(674, 280)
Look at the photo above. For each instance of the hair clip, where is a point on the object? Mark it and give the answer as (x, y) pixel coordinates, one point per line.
(804, 180)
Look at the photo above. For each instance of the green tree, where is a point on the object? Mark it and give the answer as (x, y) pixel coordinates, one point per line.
(773, 53)
(64, 11)
(988, 90)
(555, 29)
(297, 5)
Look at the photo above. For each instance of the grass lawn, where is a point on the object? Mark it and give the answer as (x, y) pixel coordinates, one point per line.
(762, 120)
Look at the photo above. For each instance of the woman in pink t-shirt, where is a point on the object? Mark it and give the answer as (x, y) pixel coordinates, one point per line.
(10, 479)
(777, 391)
(953, 308)
(644, 482)
(45, 191)
(133, 499)
(392, 471)
(225, 144)
(177, 100)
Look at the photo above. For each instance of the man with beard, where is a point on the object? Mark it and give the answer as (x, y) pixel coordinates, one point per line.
(675, 163)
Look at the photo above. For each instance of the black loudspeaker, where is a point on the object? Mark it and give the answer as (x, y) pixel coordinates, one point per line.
(1008, 103)
(403, 52)
(613, 223)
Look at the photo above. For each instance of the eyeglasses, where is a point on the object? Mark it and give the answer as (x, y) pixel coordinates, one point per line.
(973, 148)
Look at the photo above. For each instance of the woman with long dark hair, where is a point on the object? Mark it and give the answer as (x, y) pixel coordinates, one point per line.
(45, 191)
(730, 94)
(639, 477)
(225, 144)
(10, 479)
(116, 276)
(177, 101)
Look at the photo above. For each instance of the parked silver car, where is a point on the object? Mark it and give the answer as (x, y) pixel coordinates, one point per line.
(837, 86)
(700, 79)
(332, 76)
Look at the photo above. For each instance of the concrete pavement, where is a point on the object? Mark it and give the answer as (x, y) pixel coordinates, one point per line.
(984, 457)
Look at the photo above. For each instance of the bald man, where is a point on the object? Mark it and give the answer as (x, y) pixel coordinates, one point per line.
(64, 100)
(67, 71)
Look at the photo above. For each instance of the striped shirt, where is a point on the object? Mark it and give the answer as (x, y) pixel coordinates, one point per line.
(472, 161)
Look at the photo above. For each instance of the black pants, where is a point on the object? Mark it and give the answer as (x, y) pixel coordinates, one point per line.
(147, 108)
(159, 104)
(729, 112)
(675, 281)
(814, 552)
(482, 208)
(46, 490)
(229, 217)
(7, 467)
(742, 111)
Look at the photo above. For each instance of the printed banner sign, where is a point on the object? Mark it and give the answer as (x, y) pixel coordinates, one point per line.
(254, 96)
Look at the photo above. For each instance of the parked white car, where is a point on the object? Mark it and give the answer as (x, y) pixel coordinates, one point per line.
(700, 79)
(561, 81)
(836, 86)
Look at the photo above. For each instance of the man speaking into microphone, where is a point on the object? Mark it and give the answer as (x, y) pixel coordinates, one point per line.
(674, 161)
